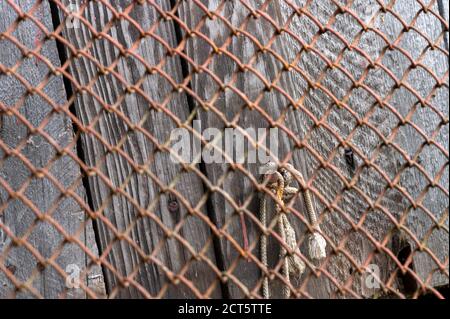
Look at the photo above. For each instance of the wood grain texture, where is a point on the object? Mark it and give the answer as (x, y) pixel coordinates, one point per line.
(139, 186)
(235, 183)
(365, 141)
(352, 205)
(389, 160)
(443, 6)
(16, 215)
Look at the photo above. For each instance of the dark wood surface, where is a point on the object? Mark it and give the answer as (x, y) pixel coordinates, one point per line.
(352, 206)
(143, 191)
(141, 187)
(15, 214)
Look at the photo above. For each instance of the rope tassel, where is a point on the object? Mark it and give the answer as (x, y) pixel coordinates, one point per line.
(316, 243)
(292, 264)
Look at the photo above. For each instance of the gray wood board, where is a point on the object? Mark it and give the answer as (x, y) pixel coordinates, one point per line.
(147, 194)
(335, 223)
(443, 6)
(16, 215)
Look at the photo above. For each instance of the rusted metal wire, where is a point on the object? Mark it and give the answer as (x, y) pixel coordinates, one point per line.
(196, 37)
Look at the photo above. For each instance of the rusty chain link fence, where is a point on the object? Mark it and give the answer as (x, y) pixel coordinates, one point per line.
(117, 179)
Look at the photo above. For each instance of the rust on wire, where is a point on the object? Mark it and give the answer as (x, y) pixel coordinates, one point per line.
(94, 199)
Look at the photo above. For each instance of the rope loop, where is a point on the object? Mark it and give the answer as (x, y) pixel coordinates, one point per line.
(292, 263)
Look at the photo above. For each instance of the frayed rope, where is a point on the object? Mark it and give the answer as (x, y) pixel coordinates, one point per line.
(292, 264)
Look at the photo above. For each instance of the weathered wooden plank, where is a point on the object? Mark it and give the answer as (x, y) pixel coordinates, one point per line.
(366, 142)
(235, 183)
(15, 215)
(443, 6)
(139, 185)
(430, 158)
(352, 205)
(370, 182)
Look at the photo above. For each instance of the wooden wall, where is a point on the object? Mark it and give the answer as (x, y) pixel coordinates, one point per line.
(132, 193)
(15, 174)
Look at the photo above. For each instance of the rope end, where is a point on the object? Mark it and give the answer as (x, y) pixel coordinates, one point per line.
(317, 246)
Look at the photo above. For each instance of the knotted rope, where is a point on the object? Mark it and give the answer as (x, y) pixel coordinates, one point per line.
(292, 264)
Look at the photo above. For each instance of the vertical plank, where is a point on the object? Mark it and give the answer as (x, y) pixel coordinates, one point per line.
(173, 256)
(337, 223)
(430, 158)
(245, 274)
(443, 6)
(366, 142)
(15, 215)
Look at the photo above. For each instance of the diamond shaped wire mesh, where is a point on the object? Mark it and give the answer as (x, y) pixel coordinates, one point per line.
(96, 203)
